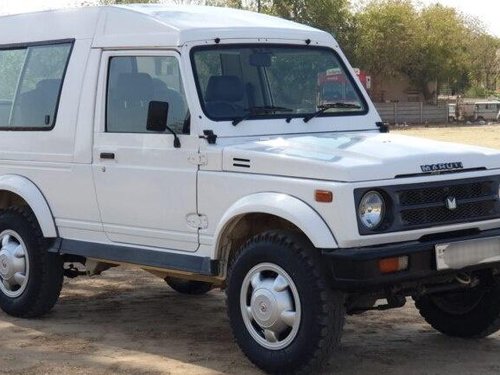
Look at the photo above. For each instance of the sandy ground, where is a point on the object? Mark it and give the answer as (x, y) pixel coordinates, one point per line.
(478, 135)
(129, 322)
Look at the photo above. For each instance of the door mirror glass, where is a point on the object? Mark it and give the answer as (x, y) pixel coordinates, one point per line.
(157, 116)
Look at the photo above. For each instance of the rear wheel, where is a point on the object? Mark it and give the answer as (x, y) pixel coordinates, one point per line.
(191, 287)
(283, 314)
(468, 313)
(30, 277)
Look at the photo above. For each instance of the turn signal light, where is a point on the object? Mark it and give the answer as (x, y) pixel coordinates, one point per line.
(323, 196)
(392, 265)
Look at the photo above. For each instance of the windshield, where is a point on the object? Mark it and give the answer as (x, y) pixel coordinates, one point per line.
(252, 81)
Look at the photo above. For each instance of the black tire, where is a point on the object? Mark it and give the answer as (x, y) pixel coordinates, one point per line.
(322, 309)
(45, 278)
(191, 287)
(471, 313)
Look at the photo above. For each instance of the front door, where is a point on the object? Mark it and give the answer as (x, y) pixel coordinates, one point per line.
(145, 187)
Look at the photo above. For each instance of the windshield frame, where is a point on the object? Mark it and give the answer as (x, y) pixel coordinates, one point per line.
(342, 63)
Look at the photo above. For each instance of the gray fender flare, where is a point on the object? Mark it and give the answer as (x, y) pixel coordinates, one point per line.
(287, 207)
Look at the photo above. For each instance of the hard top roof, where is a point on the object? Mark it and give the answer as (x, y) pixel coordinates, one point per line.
(151, 25)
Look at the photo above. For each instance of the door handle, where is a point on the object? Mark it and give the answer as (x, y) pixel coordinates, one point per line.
(107, 155)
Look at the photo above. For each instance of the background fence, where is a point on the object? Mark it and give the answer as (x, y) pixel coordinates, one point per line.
(413, 113)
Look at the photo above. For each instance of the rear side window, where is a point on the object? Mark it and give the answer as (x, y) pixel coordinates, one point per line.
(31, 79)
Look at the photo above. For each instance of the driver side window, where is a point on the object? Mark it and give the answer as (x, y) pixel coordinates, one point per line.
(135, 81)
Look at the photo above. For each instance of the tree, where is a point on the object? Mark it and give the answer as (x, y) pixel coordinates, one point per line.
(484, 59)
(441, 48)
(434, 44)
(333, 16)
(386, 37)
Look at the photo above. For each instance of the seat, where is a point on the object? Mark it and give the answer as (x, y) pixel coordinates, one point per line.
(37, 106)
(128, 103)
(223, 96)
(176, 106)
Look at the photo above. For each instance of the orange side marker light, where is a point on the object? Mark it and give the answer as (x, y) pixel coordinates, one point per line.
(323, 196)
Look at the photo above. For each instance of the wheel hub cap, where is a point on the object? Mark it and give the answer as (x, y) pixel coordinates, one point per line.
(6, 264)
(270, 306)
(263, 307)
(14, 265)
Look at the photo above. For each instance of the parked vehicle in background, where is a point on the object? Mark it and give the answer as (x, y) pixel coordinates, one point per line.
(486, 111)
(476, 111)
(209, 147)
(334, 85)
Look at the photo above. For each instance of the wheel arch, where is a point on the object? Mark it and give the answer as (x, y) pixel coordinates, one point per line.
(268, 211)
(18, 190)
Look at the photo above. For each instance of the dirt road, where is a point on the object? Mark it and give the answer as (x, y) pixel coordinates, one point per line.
(129, 322)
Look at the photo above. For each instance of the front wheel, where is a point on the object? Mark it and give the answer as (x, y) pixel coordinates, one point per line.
(283, 314)
(468, 313)
(30, 277)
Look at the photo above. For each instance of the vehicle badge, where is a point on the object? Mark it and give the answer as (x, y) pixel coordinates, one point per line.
(451, 203)
(441, 167)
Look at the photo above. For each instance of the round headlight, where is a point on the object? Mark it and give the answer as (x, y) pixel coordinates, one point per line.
(371, 209)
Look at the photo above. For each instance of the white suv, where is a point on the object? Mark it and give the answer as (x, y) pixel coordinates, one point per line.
(201, 145)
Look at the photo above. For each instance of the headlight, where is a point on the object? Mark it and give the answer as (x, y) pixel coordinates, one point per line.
(371, 209)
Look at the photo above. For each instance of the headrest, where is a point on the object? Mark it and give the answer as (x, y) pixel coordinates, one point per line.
(134, 87)
(49, 85)
(224, 88)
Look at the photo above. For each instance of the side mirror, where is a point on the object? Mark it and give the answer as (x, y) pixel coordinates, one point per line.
(157, 116)
(157, 120)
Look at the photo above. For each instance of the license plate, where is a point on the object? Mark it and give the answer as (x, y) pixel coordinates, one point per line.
(457, 255)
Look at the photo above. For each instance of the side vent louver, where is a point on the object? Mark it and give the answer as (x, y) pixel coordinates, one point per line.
(241, 163)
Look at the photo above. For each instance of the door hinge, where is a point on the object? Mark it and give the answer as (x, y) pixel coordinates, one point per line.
(197, 221)
(198, 159)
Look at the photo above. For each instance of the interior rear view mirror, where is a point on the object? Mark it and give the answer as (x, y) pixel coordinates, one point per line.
(261, 59)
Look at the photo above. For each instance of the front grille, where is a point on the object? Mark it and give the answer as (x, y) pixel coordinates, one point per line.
(433, 215)
(426, 206)
(439, 194)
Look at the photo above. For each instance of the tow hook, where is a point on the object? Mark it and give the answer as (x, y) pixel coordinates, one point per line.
(462, 281)
(466, 280)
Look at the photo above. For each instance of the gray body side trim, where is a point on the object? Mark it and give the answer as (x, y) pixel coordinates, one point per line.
(142, 257)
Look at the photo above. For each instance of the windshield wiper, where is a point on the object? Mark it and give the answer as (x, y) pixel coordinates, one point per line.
(260, 110)
(325, 107)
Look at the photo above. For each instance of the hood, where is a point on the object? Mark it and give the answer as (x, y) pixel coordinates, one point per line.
(354, 157)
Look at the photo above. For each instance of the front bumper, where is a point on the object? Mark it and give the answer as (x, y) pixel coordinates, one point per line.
(356, 269)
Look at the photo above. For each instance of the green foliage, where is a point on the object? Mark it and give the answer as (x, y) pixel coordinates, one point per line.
(333, 16)
(484, 58)
(431, 44)
(387, 33)
(440, 48)
(479, 92)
